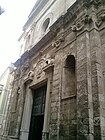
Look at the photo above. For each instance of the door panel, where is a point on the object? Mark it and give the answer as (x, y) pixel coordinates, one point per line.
(37, 117)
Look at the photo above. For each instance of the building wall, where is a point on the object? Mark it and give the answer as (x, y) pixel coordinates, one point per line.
(53, 10)
(70, 60)
(5, 80)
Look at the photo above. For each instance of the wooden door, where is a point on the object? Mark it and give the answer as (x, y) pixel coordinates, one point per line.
(37, 117)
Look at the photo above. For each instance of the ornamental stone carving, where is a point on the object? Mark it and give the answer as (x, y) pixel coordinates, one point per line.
(33, 26)
(76, 27)
(58, 42)
(17, 73)
(101, 19)
(29, 77)
(41, 64)
(39, 67)
(45, 136)
(25, 66)
(87, 3)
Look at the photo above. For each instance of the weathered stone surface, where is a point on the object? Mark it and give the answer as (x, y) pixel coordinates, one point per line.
(75, 93)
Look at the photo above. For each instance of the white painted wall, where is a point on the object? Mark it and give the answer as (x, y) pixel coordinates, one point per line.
(53, 10)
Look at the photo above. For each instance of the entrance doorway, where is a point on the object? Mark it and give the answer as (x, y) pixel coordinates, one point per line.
(37, 117)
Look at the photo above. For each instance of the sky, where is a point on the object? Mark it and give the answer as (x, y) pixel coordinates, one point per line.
(11, 23)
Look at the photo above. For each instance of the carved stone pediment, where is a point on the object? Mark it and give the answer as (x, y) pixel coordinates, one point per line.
(49, 64)
(29, 77)
(41, 64)
(48, 67)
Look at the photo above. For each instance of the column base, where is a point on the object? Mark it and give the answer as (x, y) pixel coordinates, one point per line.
(45, 136)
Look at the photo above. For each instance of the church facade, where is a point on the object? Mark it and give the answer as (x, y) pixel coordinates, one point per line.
(59, 81)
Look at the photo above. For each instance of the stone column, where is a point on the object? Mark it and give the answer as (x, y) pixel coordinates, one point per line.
(33, 33)
(84, 89)
(97, 83)
(56, 98)
(24, 132)
(45, 134)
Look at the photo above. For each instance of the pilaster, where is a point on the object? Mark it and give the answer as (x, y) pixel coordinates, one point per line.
(24, 131)
(49, 72)
(84, 89)
(56, 99)
(97, 81)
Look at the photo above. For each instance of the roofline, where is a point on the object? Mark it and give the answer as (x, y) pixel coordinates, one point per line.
(8, 68)
(36, 11)
(35, 7)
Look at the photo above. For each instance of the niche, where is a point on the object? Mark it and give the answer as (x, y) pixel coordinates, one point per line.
(68, 125)
(69, 78)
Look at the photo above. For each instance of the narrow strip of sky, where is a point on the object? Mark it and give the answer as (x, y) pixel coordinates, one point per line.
(11, 23)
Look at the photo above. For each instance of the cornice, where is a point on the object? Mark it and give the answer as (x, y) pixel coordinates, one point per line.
(54, 29)
(97, 3)
(45, 40)
(32, 17)
(76, 23)
(37, 4)
(36, 9)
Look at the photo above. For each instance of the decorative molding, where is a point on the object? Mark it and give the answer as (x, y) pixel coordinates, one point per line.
(45, 135)
(87, 3)
(17, 73)
(101, 19)
(39, 67)
(49, 66)
(59, 41)
(29, 31)
(45, 61)
(76, 27)
(33, 26)
(25, 66)
(103, 73)
(29, 77)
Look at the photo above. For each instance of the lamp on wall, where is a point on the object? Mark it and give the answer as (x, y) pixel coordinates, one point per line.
(1, 10)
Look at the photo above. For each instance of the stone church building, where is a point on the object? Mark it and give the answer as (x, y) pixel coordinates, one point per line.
(59, 81)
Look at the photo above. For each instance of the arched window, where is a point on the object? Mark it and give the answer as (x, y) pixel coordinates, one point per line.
(69, 76)
(70, 63)
(45, 25)
(68, 103)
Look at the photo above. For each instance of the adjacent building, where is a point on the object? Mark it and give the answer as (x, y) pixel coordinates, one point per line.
(5, 92)
(59, 82)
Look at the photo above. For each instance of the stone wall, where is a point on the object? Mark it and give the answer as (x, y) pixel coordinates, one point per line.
(70, 59)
